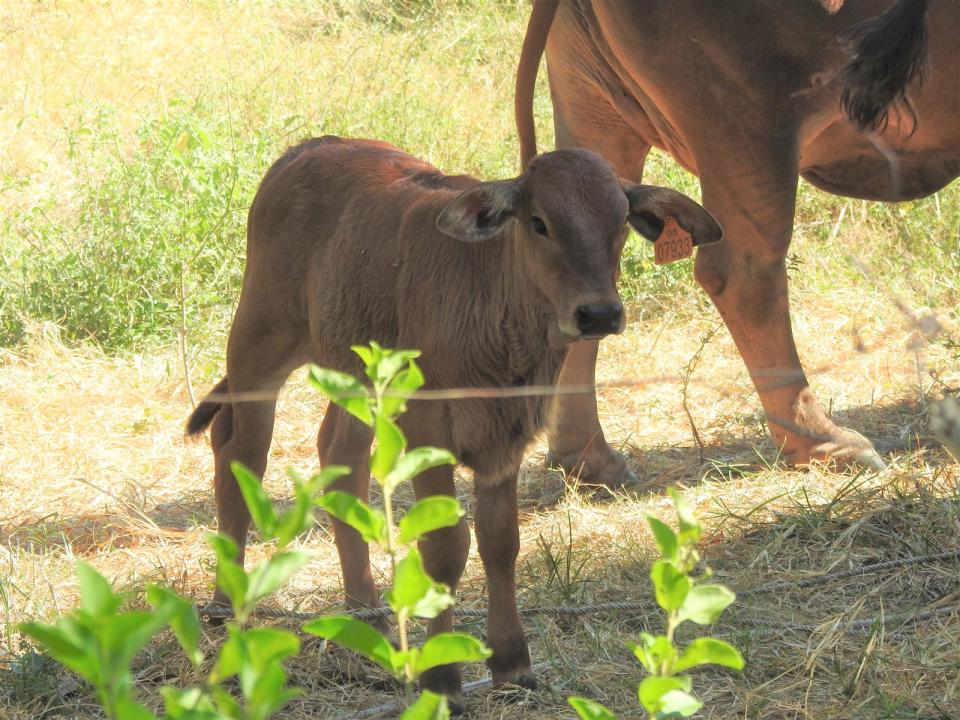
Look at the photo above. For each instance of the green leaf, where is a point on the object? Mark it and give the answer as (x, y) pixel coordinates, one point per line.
(366, 354)
(590, 710)
(670, 585)
(267, 646)
(226, 703)
(223, 546)
(354, 635)
(415, 462)
(181, 616)
(666, 539)
(429, 706)
(708, 651)
(414, 592)
(230, 575)
(678, 702)
(123, 636)
(128, 709)
(390, 442)
(704, 603)
(383, 370)
(653, 651)
(300, 517)
(96, 595)
(273, 572)
(431, 513)
(654, 687)
(188, 704)
(689, 526)
(258, 501)
(347, 508)
(253, 650)
(325, 478)
(446, 648)
(344, 390)
(64, 649)
(404, 384)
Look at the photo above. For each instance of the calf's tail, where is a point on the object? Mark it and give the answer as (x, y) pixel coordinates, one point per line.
(204, 413)
(886, 53)
(534, 43)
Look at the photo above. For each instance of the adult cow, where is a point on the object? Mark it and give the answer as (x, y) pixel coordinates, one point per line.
(747, 95)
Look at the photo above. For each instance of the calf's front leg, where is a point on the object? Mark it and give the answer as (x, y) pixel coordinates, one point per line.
(444, 554)
(498, 539)
(343, 440)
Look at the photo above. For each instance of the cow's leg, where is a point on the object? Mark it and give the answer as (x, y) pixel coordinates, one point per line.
(242, 431)
(344, 440)
(498, 540)
(444, 554)
(746, 278)
(574, 434)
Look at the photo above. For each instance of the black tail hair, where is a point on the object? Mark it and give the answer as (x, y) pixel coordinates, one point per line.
(204, 413)
(886, 53)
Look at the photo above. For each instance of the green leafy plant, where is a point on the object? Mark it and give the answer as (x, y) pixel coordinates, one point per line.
(666, 692)
(98, 641)
(394, 375)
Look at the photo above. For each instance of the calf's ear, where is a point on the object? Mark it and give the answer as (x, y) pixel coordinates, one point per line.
(480, 212)
(650, 205)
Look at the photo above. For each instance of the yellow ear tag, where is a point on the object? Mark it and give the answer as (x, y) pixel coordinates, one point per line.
(673, 244)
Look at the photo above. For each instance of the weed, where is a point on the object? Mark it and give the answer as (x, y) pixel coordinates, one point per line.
(665, 692)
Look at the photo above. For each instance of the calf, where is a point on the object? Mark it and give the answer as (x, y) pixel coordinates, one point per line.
(351, 241)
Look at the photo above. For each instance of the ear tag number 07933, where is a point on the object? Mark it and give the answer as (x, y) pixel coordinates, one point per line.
(673, 244)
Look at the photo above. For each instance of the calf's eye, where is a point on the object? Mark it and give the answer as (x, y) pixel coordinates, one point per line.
(538, 225)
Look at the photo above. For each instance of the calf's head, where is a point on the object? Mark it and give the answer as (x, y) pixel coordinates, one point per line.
(567, 215)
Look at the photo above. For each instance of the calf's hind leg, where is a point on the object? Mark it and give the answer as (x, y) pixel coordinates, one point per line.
(257, 366)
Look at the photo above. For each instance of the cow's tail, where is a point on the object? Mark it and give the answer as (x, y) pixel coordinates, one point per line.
(534, 43)
(886, 53)
(203, 414)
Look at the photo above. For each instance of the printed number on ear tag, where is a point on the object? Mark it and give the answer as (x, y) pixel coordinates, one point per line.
(673, 244)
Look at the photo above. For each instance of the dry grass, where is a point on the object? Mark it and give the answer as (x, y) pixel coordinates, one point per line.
(94, 466)
(93, 463)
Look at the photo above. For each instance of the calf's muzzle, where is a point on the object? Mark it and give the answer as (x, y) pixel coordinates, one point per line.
(599, 319)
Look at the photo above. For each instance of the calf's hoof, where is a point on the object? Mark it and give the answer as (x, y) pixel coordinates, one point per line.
(218, 610)
(844, 448)
(525, 679)
(602, 467)
(445, 680)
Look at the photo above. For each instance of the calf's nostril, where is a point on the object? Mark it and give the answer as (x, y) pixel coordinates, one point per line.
(599, 318)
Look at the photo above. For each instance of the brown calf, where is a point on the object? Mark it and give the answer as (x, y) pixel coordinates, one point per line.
(350, 241)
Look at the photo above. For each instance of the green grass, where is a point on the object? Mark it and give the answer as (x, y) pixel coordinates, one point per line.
(123, 208)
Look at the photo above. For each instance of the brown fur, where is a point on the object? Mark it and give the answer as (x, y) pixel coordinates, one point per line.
(747, 96)
(350, 241)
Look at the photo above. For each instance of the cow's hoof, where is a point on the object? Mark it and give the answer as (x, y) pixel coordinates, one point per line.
(845, 449)
(602, 468)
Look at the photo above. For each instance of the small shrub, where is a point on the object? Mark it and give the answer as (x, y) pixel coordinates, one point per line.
(665, 692)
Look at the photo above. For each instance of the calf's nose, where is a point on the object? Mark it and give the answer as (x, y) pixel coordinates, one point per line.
(599, 319)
